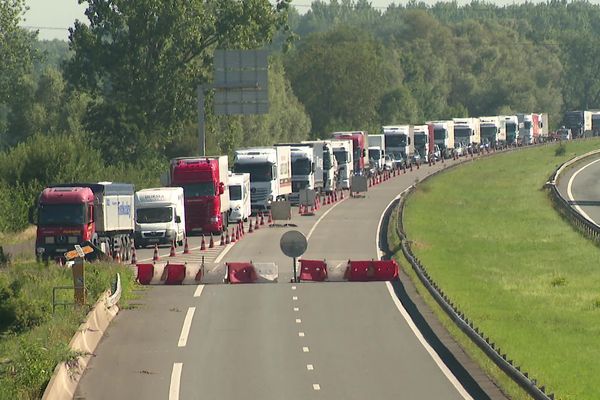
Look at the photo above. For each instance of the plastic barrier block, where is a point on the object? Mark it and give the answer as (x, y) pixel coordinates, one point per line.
(145, 273)
(313, 270)
(365, 271)
(175, 274)
(241, 272)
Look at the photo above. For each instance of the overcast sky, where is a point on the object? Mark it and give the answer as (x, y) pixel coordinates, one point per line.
(53, 17)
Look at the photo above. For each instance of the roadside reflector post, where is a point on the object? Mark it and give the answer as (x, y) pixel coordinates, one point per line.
(79, 281)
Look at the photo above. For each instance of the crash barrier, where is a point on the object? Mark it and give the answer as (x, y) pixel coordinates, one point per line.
(586, 226)
(353, 271)
(477, 336)
(193, 273)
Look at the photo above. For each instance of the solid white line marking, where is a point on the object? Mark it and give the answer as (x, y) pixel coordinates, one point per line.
(316, 386)
(295, 298)
(570, 192)
(310, 367)
(323, 216)
(298, 321)
(175, 381)
(305, 350)
(224, 252)
(296, 309)
(187, 324)
(301, 334)
(199, 290)
(449, 375)
(379, 252)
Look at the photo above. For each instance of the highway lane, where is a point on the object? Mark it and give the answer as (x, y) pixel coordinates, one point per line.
(579, 185)
(274, 341)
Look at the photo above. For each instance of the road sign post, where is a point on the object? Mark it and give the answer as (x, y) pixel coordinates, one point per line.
(293, 244)
(79, 281)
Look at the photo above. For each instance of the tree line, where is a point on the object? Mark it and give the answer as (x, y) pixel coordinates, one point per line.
(119, 99)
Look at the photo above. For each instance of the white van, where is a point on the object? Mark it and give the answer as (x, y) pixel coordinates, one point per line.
(159, 216)
(239, 197)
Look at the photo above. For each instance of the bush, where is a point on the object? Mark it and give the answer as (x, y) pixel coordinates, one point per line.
(561, 150)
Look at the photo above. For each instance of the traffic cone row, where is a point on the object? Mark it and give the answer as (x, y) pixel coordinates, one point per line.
(172, 252)
(203, 243)
(156, 256)
(186, 247)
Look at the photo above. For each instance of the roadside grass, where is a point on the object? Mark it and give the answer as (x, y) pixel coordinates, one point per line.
(489, 236)
(17, 237)
(33, 340)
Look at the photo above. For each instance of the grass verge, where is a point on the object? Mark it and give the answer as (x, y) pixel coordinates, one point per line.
(490, 237)
(34, 340)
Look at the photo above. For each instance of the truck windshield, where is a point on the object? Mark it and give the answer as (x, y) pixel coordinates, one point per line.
(511, 128)
(488, 131)
(341, 156)
(301, 166)
(395, 140)
(62, 214)
(462, 133)
(235, 192)
(527, 124)
(420, 139)
(198, 189)
(374, 154)
(154, 215)
(439, 133)
(259, 172)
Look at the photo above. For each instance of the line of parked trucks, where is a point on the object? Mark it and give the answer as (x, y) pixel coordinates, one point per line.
(203, 195)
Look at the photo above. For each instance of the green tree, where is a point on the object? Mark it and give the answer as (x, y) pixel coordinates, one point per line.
(142, 61)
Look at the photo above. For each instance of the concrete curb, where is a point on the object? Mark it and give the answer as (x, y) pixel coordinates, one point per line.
(66, 375)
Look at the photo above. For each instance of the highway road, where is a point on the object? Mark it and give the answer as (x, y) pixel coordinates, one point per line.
(332, 340)
(579, 185)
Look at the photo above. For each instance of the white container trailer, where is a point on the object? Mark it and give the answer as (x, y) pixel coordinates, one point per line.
(239, 197)
(377, 151)
(493, 130)
(342, 151)
(399, 142)
(330, 166)
(466, 130)
(443, 136)
(159, 216)
(270, 172)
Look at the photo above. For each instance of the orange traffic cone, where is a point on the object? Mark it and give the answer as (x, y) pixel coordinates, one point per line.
(250, 229)
(237, 232)
(256, 226)
(203, 244)
(227, 239)
(222, 238)
(211, 244)
(262, 219)
(117, 257)
(156, 257)
(172, 252)
(133, 255)
(270, 218)
(186, 247)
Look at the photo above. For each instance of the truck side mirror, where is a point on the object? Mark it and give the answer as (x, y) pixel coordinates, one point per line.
(221, 188)
(177, 219)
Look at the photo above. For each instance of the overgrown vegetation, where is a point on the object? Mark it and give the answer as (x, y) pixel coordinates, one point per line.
(489, 236)
(34, 340)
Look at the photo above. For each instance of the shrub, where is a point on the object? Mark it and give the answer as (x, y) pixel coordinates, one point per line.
(561, 150)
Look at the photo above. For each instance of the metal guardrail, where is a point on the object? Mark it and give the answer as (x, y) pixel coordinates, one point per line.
(477, 336)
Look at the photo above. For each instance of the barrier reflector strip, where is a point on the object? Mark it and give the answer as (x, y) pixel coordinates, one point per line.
(145, 273)
(175, 274)
(241, 272)
(372, 270)
(313, 270)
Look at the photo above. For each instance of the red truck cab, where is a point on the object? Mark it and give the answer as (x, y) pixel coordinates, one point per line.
(65, 218)
(359, 148)
(206, 196)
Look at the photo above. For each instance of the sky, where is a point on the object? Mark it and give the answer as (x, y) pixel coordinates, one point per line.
(54, 17)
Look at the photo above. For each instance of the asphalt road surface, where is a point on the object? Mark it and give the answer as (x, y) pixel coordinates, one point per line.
(331, 340)
(579, 185)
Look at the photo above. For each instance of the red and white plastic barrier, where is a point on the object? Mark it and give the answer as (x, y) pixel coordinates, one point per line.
(313, 270)
(372, 270)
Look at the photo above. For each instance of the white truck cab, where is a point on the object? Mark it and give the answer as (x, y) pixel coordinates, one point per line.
(159, 216)
(342, 151)
(239, 197)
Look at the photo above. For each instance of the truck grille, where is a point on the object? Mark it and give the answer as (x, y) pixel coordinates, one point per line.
(259, 195)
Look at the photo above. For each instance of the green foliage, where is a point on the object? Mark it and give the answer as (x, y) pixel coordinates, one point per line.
(143, 78)
(560, 150)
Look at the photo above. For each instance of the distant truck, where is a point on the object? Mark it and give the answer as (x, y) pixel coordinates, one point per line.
(377, 151)
(564, 134)
(206, 192)
(399, 143)
(424, 144)
(511, 123)
(270, 172)
(159, 216)
(307, 168)
(493, 131)
(330, 166)
(360, 144)
(342, 151)
(596, 123)
(71, 214)
(579, 122)
(239, 197)
(443, 136)
(466, 131)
